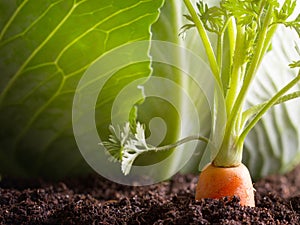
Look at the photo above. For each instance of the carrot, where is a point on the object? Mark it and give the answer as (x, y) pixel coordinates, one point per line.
(217, 182)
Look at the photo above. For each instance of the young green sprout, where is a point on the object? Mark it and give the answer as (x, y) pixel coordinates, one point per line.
(248, 26)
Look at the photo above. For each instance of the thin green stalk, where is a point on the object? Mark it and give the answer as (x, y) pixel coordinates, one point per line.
(255, 109)
(261, 48)
(230, 30)
(268, 38)
(180, 142)
(267, 106)
(235, 76)
(206, 42)
(231, 150)
(232, 37)
(220, 51)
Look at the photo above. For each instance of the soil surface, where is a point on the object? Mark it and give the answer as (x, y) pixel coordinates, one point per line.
(94, 200)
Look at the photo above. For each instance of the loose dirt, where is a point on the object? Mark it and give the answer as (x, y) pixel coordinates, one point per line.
(95, 200)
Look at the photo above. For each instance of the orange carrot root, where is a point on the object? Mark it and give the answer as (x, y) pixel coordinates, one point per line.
(218, 182)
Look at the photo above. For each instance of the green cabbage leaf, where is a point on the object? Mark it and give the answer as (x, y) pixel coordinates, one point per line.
(45, 47)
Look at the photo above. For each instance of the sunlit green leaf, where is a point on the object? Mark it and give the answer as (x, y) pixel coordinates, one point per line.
(45, 47)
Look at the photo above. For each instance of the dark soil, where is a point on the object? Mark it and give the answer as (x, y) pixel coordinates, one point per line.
(94, 200)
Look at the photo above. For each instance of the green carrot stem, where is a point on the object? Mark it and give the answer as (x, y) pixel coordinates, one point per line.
(262, 45)
(180, 142)
(206, 42)
(268, 105)
(255, 109)
(235, 77)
